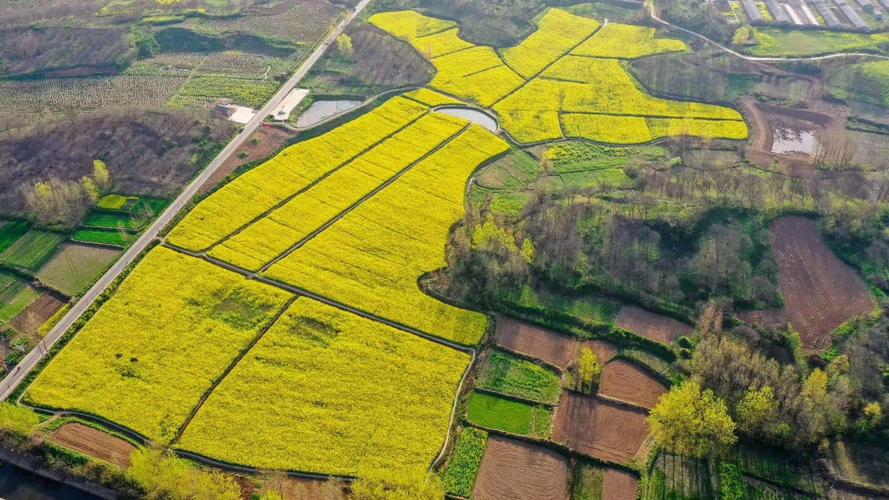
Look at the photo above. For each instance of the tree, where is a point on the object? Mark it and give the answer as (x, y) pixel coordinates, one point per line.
(588, 369)
(344, 46)
(692, 422)
(58, 203)
(164, 476)
(101, 176)
(757, 409)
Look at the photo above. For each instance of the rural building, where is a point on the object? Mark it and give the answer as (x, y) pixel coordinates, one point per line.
(851, 15)
(829, 17)
(778, 13)
(753, 14)
(866, 6)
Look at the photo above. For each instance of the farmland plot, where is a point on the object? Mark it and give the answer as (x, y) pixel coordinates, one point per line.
(565, 80)
(628, 382)
(328, 391)
(600, 429)
(148, 355)
(554, 348)
(513, 469)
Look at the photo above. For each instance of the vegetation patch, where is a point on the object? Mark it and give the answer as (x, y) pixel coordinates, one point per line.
(32, 250)
(10, 232)
(508, 374)
(494, 412)
(461, 470)
(104, 237)
(15, 296)
(75, 267)
(114, 221)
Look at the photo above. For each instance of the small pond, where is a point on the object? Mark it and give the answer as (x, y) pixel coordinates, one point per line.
(322, 110)
(794, 141)
(19, 484)
(473, 115)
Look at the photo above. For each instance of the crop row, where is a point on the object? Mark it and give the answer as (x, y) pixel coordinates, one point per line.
(272, 235)
(294, 169)
(330, 392)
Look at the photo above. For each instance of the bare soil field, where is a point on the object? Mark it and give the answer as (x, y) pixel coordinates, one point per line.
(551, 347)
(513, 469)
(292, 488)
(94, 443)
(628, 382)
(261, 145)
(599, 429)
(820, 291)
(650, 325)
(31, 319)
(619, 485)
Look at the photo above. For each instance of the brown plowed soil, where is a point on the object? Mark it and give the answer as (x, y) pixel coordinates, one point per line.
(293, 488)
(512, 469)
(619, 485)
(599, 429)
(94, 443)
(551, 347)
(35, 315)
(650, 325)
(268, 140)
(627, 382)
(820, 292)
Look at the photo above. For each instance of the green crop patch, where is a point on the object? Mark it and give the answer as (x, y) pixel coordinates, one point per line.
(15, 296)
(511, 375)
(114, 221)
(10, 232)
(462, 468)
(104, 237)
(494, 412)
(32, 250)
(115, 202)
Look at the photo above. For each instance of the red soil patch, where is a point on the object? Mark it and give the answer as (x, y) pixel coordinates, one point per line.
(600, 429)
(628, 382)
(650, 325)
(94, 443)
(551, 347)
(269, 140)
(619, 485)
(513, 469)
(31, 319)
(820, 292)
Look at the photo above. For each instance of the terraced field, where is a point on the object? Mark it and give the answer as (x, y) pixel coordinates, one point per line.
(565, 80)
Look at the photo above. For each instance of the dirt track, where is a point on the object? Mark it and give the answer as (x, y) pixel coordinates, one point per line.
(94, 443)
(820, 292)
(599, 429)
(619, 485)
(627, 382)
(650, 325)
(551, 347)
(512, 469)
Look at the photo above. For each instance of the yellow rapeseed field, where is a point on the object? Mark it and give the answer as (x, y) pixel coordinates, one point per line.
(430, 98)
(251, 194)
(372, 258)
(330, 392)
(149, 354)
(569, 66)
(275, 233)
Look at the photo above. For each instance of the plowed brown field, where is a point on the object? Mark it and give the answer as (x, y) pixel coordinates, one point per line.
(31, 319)
(650, 325)
(628, 382)
(94, 443)
(619, 485)
(820, 292)
(512, 469)
(548, 346)
(599, 429)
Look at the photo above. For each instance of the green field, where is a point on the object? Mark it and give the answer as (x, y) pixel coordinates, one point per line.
(866, 82)
(76, 267)
(115, 201)
(783, 42)
(113, 221)
(588, 308)
(110, 237)
(511, 375)
(462, 468)
(15, 296)
(10, 232)
(510, 416)
(32, 250)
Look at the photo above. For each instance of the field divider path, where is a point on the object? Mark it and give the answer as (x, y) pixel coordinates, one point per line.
(231, 366)
(33, 358)
(320, 298)
(309, 186)
(296, 246)
(535, 76)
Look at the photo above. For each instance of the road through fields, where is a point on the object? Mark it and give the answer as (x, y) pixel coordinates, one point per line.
(30, 361)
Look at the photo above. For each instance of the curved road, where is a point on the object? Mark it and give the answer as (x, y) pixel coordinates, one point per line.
(653, 14)
(30, 361)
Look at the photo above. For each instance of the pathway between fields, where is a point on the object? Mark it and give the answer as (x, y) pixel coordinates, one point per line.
(652, 12)
(30, 361)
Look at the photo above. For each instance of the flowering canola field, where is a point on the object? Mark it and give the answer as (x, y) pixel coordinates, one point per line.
(330, 392)
(567, 79)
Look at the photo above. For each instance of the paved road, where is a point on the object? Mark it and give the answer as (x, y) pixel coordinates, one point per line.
(652, 12)
(8, 385)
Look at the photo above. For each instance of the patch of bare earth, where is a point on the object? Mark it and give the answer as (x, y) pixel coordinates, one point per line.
(551, 347)
(628, 382)
(31, 319)
(514, 469)
(265, 142)
(294, 488)
(619, 485)
(650, 325)
(600, 429)
(820, 291)
(94, 443)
